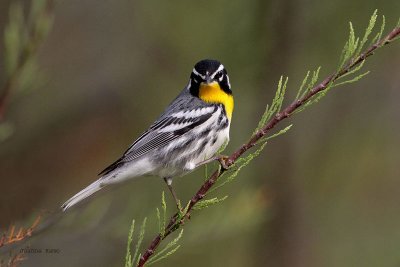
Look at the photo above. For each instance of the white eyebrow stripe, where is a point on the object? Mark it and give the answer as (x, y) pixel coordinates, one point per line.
(221, 67)
(198, 74)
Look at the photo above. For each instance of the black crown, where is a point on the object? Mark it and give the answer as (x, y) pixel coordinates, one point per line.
(207, 65)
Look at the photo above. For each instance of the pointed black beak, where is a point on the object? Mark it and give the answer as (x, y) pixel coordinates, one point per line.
(209, 79)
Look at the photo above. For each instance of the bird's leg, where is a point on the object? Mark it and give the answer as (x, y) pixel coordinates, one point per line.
(220, 158)
(168, 181)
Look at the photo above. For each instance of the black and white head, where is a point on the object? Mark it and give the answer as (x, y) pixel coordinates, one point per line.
(209, 71)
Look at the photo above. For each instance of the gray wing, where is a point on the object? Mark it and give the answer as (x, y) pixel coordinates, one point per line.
(175, 122)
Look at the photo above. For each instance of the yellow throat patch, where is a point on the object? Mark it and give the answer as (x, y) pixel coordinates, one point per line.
(213, 93)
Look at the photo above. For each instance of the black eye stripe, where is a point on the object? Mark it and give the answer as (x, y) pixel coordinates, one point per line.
(225, 84)
(195, 77)
(221, 77)
(218, 75)
(201, 74)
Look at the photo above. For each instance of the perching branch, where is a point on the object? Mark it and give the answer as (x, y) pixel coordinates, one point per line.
(352, 62)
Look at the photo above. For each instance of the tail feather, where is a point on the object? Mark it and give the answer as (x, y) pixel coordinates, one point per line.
(88, 191)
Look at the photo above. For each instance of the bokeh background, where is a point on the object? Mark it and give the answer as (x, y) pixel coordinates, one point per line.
(324, 194)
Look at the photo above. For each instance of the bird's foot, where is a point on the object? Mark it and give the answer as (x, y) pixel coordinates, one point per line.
(223, 161)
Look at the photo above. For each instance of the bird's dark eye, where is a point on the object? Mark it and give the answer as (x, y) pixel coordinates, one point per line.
(218, 76)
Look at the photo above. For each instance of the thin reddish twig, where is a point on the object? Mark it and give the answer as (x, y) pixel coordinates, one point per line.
(286, 112)
(21, 234)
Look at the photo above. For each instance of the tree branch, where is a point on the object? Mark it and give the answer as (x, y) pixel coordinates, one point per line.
(176, 221)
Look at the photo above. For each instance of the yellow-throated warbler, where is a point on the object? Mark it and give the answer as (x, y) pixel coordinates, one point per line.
(189, 132)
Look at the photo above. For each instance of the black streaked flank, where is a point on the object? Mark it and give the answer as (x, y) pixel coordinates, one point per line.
(205, 132)
(214, 140)
(198, 120)
(202, 147)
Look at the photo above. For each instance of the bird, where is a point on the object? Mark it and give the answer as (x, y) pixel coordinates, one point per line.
(188, 134)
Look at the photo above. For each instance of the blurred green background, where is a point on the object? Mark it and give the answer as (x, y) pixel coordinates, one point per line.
(324, 194)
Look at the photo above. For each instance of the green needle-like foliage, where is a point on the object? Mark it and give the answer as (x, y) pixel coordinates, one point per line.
(276, 104)
(162, 220)
(128, 257)
(349, 69)
(164, 209)
(368, 31)
(130, 260)
(169, 249)
(205, 203)
(140, 239)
